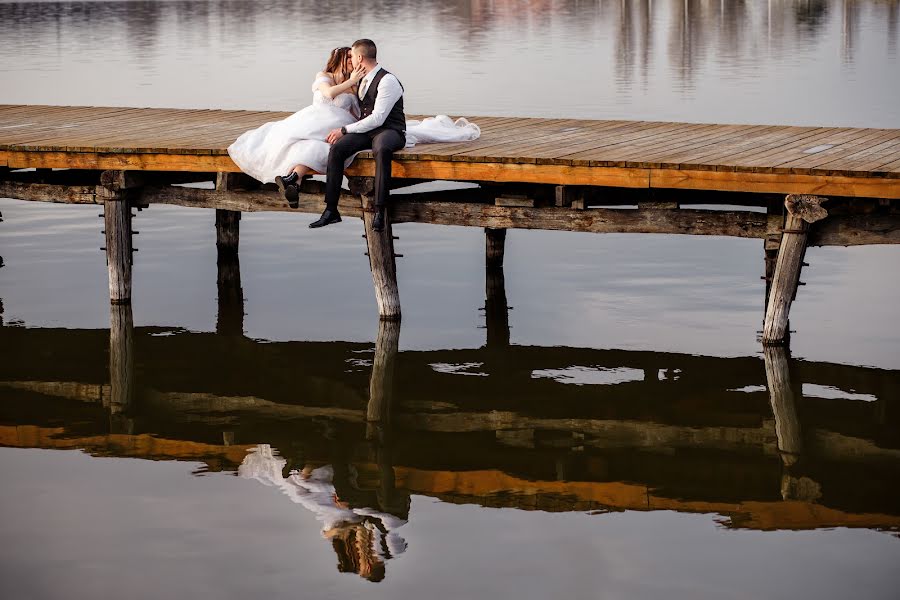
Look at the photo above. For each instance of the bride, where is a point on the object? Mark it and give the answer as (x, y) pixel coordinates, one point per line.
(289, 150)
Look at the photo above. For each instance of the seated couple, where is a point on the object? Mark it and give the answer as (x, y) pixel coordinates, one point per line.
(357, 105)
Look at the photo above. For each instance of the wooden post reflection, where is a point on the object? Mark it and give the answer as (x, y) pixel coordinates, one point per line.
(121, 367)
(378, 412)
(783, 398)
(230, 319)
(496, 311)
(381, 383)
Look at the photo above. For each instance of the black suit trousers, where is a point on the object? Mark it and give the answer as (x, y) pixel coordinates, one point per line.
(382, 142)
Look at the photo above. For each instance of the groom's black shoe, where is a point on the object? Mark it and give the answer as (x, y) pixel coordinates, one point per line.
(328, 217)
(378, 221)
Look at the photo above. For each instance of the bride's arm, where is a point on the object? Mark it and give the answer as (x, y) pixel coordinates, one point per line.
(330, 90)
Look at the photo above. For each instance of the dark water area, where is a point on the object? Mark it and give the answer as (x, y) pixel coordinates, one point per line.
(616, 432)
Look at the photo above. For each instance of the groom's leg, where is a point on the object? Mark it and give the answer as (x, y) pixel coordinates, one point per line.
(384, 144)
(340, 151)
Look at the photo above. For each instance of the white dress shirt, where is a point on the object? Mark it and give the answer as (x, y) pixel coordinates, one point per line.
(389, 91)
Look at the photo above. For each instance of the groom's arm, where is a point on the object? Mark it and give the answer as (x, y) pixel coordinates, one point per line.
(389, 91)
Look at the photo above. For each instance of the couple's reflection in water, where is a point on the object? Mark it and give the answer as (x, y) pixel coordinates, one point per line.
(360, 520)
(363, 537)
(350, 431)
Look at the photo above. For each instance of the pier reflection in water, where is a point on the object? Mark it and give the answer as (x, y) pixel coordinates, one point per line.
(350, 432)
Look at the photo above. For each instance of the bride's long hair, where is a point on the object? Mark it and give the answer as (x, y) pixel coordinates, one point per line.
(337, 61)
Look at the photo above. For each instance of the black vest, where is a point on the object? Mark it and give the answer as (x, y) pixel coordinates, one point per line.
(396, 119)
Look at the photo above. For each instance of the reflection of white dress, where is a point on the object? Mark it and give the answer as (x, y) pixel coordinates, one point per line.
(275, 148)
(316, 494)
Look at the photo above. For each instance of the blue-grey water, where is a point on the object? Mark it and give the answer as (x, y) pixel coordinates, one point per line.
(623, 446)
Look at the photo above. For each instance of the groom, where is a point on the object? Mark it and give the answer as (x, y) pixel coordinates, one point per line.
(381, 128)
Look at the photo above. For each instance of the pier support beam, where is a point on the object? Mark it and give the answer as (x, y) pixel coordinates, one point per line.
(230, 318)
(228, 222)
(801, 211)
(771, 242)
(228, 232)
(496, 310)
(494, 247)
(117, 224)
(382, 259)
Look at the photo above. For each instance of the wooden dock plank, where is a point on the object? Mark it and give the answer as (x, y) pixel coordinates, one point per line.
(589, 129)
(812, 160)
(628, 133)
(736, 141)
(715, 154)
(768, 160)
(79, 127)
(867, 159)
(517, 150)
(891, 167)
(750, 142)
(635, 153)
(667, 155)
(806, 136)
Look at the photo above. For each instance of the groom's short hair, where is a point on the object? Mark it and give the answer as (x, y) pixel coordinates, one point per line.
(366, 48)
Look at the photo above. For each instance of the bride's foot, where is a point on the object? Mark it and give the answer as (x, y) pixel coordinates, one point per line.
(288, 179)
(288, 185)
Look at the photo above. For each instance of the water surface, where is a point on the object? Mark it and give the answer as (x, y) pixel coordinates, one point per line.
(617, 433)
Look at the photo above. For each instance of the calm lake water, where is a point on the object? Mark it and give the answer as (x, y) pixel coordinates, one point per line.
(624, 443)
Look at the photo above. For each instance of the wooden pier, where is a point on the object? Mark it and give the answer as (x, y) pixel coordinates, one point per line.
(819, 185)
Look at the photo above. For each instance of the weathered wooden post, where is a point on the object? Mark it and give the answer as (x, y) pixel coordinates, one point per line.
(771, 243)
(228, 231)
(121, 367)
(496, 310)
(228, 222)
(783, 399)
(230, 318)
(113, 192)
(382, 259)
(494, 247)
(802, 210)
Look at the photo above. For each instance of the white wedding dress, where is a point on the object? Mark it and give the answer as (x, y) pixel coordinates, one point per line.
(440, 129)
(276, 147)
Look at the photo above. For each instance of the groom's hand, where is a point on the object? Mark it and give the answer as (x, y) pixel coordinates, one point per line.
(334, 136)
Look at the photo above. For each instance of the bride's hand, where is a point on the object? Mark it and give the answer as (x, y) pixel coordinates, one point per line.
(357, 74)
